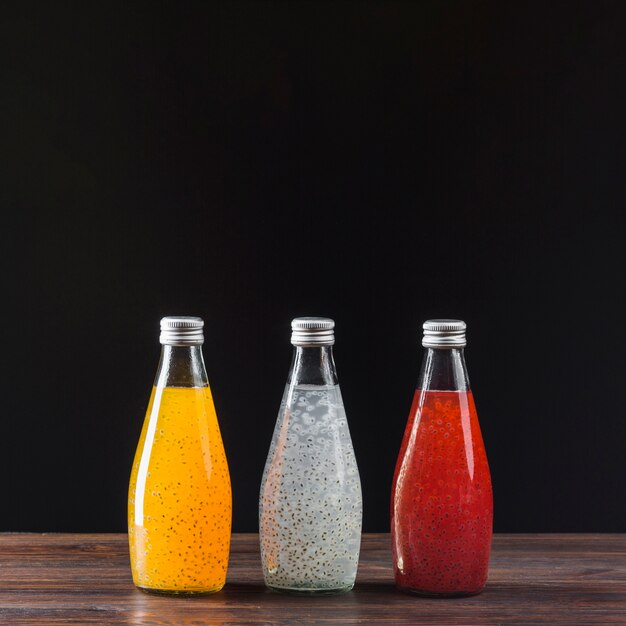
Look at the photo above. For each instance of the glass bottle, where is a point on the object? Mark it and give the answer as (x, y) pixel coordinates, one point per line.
(310, 506)
(442, 503)
(179, 501)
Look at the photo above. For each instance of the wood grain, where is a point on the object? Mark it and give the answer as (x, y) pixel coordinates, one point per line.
(534, 579)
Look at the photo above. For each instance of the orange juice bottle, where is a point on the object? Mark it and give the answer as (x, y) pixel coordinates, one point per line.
(179, 500)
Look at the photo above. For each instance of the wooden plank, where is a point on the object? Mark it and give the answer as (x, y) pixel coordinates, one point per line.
(534, 579)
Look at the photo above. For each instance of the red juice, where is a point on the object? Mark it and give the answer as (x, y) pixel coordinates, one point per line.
(442, 503)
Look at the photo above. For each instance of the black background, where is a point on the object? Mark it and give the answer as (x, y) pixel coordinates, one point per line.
(379, 163)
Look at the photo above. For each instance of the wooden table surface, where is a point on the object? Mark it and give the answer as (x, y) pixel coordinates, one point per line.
(534, 579)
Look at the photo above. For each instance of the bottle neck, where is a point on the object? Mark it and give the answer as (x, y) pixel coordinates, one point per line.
(181, 366)
(443, 369)
(313, 365)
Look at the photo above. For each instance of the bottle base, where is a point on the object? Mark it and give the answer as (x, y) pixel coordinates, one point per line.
(304, 591)
(438, 594)
(183, 593)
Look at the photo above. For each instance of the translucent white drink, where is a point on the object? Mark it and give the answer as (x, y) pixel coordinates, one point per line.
(311, 506)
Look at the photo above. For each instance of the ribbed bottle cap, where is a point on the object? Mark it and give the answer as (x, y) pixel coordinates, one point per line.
(181, 330)
(312, 331)
(444, 334)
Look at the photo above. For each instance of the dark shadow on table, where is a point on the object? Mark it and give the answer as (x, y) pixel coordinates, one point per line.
(244, 587)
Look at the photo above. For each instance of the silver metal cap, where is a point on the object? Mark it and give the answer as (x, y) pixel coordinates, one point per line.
(181, 330)
(444, 334)
(312, 331)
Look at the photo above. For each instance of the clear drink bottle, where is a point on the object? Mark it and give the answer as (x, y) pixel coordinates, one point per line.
(179, 501)
(310, 504)
(442, 504)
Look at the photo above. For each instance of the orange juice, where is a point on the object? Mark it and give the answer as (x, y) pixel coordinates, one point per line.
(179, 504)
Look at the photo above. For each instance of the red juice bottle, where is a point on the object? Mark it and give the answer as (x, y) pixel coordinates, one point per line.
(442, 502)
